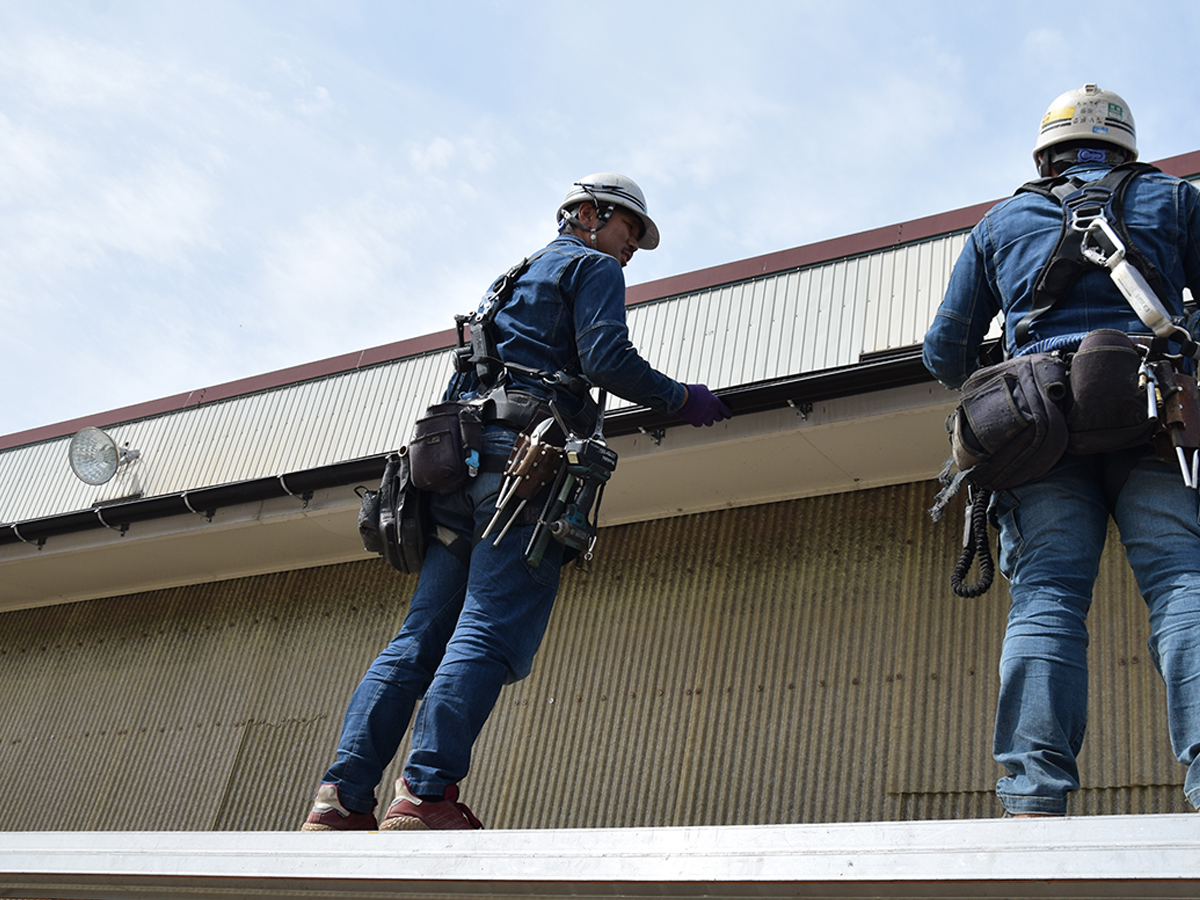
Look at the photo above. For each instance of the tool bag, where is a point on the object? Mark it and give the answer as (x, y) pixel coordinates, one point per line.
(1009, 427)
(445, 446)
(392, 520)
(1108, 410)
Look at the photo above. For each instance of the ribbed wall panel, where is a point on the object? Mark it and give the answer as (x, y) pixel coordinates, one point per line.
(806, 320)
(793, 662)
(303, 426)
(783, 324)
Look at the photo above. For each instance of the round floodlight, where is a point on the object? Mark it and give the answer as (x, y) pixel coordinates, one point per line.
(94, 456)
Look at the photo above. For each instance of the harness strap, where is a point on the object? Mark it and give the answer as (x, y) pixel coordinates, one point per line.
(1082, 200)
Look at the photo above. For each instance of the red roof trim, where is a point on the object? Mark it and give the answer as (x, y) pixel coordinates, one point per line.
(1181, 166)
(851, 245)
(807, 255)
(255, 384)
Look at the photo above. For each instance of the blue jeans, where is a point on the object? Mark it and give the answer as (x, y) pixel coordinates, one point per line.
(1052, 533)
(470, 629)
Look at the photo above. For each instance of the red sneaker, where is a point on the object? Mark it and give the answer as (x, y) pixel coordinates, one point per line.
(328, 814)
(409, 812)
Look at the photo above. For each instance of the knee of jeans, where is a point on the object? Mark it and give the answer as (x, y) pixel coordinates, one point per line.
(516, 674)
(1175, 647)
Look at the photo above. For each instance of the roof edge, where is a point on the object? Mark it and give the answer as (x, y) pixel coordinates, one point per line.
(1181, 166)
(1078, 857)
(347, 362)
(857, 244)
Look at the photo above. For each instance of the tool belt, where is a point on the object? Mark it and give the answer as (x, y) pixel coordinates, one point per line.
(516, 410)
(1017, 418)
(447, 441)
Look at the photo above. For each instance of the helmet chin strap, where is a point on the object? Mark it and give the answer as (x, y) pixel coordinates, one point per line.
(572, 219)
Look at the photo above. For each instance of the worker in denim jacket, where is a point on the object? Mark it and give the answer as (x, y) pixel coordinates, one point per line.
(480, 608)
(1052, 531)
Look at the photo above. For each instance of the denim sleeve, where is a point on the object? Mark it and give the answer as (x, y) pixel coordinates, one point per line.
(951, 347)
(606, 354)
(1190, 249)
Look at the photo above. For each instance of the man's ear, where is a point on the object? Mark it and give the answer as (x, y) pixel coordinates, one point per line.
(586, 213)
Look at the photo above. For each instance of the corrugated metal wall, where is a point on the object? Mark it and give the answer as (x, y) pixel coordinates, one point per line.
(794, 662)
(302, 426)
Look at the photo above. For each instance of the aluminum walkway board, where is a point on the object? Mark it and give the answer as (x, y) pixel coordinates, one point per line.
(1092, 857)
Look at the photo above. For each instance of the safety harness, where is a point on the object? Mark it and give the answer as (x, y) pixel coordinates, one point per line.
(1093, 235)
(479, 356)
(572, 477)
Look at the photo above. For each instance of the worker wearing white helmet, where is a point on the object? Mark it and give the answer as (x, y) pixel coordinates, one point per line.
(605, 192)
(545, 334)
(1046, 260)
(1087, 117)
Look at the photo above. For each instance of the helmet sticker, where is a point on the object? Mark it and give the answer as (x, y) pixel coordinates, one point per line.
(1058, 115)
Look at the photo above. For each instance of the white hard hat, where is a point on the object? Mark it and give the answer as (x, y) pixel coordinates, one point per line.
(1091, 114)
(606, 190)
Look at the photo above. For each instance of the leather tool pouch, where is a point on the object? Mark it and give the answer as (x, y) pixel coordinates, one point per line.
(1009, 428)
(1108, 410)
(442, 443)
(1179, 422)
(533, 467)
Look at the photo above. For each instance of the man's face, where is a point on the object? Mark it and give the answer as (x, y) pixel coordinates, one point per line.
(619, 238)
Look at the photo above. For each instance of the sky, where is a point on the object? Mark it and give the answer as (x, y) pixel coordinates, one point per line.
(193, 193)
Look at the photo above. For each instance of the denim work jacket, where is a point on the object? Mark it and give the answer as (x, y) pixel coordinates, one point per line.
(567, 313)
(999, 267)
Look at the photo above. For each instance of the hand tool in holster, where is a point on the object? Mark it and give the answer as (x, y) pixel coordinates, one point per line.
(531, 465)
(573, 506)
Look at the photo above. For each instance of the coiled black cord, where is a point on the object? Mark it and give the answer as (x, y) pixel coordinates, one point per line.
(975, 544)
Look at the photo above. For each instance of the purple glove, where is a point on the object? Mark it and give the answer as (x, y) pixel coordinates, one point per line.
(702, 407)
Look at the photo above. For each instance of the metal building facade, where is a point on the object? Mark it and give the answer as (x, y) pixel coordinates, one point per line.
(791, 661)
(800, 321)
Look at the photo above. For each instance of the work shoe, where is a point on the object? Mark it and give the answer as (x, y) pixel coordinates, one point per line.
(328, 814)
(409, 812)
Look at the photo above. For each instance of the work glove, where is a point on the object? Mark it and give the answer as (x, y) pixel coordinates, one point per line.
(702, 407)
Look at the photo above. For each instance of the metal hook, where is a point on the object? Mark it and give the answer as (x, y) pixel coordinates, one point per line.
(206, 514)
(100, 515)
(39, 543)
(303, 498)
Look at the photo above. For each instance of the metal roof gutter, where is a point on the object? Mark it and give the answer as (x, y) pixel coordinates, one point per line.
(896, 369)
(1089, 857)
(800, 391)
(120, 514)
